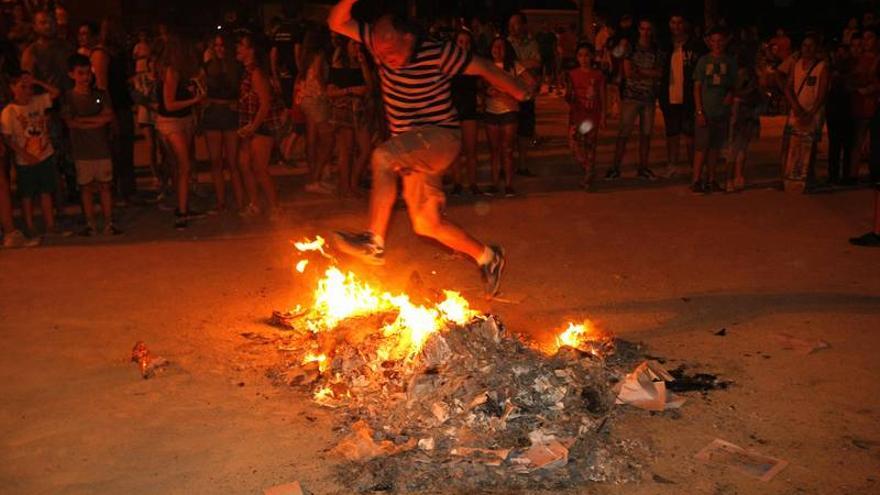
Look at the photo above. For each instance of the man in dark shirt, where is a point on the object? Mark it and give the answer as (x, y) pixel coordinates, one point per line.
(284, 55)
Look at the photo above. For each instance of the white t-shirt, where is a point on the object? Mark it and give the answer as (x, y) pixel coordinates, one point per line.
(28, 127)
(676, 75)
(807, 88)
(504, 103)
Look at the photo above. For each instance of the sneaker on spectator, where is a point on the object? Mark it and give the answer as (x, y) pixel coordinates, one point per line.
(714, 187)
(509, 192)
(57, 231)
(251, 210)
(612, 173)
(647, 174)
(871, 239)
(729, 187)
(491, 190)
(111, 230)
(457, 190)
(192, 214)
(317, 188)
(526, 172)
(475, 190)
(88, 231)
(361, 245)
(698, 188)
(180, 220)
(670, 171)
(17, 239)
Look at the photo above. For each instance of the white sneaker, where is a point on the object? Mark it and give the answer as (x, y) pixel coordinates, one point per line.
(317, 188)
(17, 239)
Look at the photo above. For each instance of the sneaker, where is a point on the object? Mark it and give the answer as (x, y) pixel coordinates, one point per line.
(491, 272)
(249, 211)
(670, 172)
(111, 230)
(195, 214)
(612, 173)
(17, 239)
(317, 188)
(729, 187)
(871, 239)
(491, 190)
(57, 231)
(587, 182)
(361, 245)
(180, 220)
(698, 188)
(457, 190)
(89, 231)
(714, 187)
(647, 174)
(509, 192)
(525, 172)
(475, 190)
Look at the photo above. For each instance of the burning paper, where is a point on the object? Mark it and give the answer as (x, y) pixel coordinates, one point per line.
(645, 388)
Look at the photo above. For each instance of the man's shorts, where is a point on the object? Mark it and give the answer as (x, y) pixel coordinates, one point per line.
(421, 157)
(36, 179)
(632, 109)
(678, 120)
(88, 171)
(526, 127)
(713, 136)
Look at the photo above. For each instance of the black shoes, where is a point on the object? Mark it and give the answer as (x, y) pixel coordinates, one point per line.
(612, 173)
(491, 272)
(361, 245)
(871, 239)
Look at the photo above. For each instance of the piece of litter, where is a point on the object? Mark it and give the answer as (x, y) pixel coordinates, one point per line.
(750, 463)
(546, 452)
(148, 364)
(645, 388)
(721, 333)
(802, 346)
(286, 489)
(489, 457)
(360, 446)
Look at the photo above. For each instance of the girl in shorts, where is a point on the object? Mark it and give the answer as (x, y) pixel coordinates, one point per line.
(585, 94)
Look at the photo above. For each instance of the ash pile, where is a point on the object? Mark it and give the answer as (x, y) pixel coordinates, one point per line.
(475, 410)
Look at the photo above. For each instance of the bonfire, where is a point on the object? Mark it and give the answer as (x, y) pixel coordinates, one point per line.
(436, 395)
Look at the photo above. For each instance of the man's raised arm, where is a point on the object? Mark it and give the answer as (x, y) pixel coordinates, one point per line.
(340, 20)
(501, 80)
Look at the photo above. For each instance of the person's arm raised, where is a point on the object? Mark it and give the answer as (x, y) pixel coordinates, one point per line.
(340, 20)
(499, 79)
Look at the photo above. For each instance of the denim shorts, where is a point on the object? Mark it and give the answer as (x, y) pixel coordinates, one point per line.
(630, 110)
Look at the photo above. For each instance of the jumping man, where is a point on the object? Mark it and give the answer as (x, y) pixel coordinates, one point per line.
(425, 139)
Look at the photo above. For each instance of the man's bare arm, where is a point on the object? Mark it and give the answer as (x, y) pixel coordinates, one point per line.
(340, 20)
(482, 67)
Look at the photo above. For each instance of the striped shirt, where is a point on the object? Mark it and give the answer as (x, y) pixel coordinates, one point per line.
(419, 93)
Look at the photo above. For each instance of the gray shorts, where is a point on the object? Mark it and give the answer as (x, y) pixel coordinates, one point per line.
(630, 110)
(88, 171)
(713, 136)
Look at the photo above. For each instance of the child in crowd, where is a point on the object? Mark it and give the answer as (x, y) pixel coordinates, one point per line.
(585, 94)
(715, 78)
(746, 124)
(88, 114)
(25, 128)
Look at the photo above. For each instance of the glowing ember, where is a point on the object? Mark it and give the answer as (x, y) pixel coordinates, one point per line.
(301, 265)
(315, 245)
(316, 358)
(577, 335)
(323, 394)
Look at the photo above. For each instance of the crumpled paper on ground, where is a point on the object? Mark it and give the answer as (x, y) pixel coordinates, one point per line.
(645, 388)
(546, 452)
(360, 446)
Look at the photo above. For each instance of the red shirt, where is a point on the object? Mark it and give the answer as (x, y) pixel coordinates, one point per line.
(585, 102)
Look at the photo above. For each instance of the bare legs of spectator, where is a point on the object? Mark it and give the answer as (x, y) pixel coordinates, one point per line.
(223, 151)
(27, 205)
(253, 160)
(707, 160)
(466, 165)
(364, 141)
(494, 136)
(508, 138)
(179, 142)
(87, 194)
(319, 136)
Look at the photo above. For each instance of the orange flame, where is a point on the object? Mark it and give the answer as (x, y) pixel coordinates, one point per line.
(316, 358)
(577, 334)
(301, 265)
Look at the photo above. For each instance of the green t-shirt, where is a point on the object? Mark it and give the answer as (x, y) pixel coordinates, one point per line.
(718, 77)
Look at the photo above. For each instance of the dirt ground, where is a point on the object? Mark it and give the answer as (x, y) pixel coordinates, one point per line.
(650, 263)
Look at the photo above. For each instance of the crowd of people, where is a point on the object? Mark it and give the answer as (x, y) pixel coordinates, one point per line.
(75, 97)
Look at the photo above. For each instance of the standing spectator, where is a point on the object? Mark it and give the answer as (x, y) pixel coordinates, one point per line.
(714, 82)
(806, 91)
(864, 84)
(178, 95)
(547, 48)
(851, 29)
(285, 52)
(12, 237)
(781, 44)
(839, 115)
(677, 91)
(642, 70)
(501, 118)
(141, 52)
(88, 114)
(25, 128)
(220, 119)
(21, 32)
(312, 97)
(62, 24)
(260, 119)
(585, 94)
(86, 38)
(745, 122)
(529, 56)
(464, 95)
(110, 64)
(348, 87)
(46, 58)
